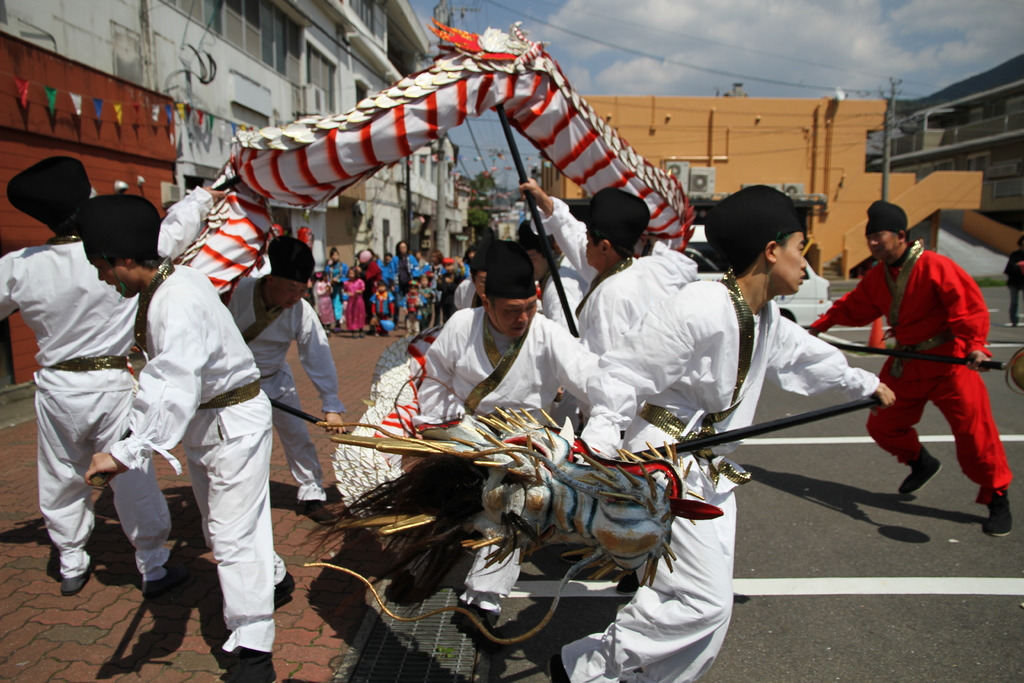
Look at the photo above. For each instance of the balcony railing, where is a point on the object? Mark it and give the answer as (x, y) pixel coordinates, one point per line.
(943, 137)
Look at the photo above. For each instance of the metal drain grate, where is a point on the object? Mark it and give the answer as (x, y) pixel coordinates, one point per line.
(429, 651)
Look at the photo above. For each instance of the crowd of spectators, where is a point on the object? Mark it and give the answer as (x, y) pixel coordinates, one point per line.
(374, 295)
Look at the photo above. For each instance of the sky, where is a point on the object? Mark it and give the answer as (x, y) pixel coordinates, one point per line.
(776, 48)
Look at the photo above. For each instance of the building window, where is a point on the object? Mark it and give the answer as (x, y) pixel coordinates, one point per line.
(264, 32)
(320, 74)
(372, 16)
(205, 12)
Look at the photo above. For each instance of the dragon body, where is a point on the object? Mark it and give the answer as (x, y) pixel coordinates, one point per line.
(510, 482)
(307, 162)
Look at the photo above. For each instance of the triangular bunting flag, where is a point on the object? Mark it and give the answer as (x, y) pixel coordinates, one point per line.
(137, 106)
(51, 99)
(76, 102)
(22, 85)
(181, 110)
(199, 116)
(209, 121)
(117, 112)
(155, 113)
(167, 110)
(97, 103)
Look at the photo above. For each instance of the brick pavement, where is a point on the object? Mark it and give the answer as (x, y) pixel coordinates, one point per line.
(107, 632)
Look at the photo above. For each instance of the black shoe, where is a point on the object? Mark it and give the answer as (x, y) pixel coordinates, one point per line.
(556, 670)
(466, 627)
(283, 590)
(921, 472)
(253, 667)
(175, 576)
(74, 584)
(999, 520)
(318, 512)
(628, 584)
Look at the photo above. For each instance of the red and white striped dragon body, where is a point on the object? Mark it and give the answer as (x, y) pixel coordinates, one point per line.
(311, 160)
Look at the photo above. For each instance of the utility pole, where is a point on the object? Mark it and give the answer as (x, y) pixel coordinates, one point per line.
(441, 230)
(890, 121)
(443, 13)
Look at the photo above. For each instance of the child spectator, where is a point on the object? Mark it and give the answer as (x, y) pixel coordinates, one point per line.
(355, 309)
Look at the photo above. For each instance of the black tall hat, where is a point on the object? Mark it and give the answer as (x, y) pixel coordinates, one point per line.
(291, 259)
(479, 262)
(742, 224)
(51, 190)
(509, 272)
(528, 239)
(885, 216)
(618, 216)
(119, 226)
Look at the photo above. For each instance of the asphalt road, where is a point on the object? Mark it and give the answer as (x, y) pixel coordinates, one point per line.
(819, 515)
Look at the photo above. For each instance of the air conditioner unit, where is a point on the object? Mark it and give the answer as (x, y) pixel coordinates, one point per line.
(314, 99)
(793, 189)
(681, 170)
(169, 193)
(1003, 169)
(702, 180)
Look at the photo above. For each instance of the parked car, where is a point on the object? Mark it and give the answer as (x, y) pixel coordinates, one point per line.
(804, 307)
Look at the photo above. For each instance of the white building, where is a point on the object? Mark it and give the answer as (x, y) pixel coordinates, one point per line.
(253, 63)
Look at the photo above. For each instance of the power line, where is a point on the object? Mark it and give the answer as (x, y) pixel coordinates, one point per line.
(696, 67)
(740, 48)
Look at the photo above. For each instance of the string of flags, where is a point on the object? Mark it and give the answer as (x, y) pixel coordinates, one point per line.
(158, 113)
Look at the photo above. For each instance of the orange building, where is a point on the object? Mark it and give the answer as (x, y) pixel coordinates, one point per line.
(119, 131)
(812, 149)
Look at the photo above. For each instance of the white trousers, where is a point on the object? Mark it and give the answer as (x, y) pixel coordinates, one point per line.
(80, 414)
(231, 482)
(293, 432)
(674, 629)
(485, 586)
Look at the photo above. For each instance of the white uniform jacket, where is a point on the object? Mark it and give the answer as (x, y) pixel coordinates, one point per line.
(619, 303)
(195, 353)
(457, 362)
(299, 324)
(684, 358)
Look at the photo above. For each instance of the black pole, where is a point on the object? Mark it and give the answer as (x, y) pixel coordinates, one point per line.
(408, 204)
(773, 425)
(897, 353)
(535, 215)
(229, 183)
(295, 411)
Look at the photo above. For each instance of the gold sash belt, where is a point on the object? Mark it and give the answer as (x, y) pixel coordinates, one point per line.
(664, 420)
(93, 363)
(233, 397)
(928, 344)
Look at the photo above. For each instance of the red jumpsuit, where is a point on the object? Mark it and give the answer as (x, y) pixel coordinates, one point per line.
(939, 297)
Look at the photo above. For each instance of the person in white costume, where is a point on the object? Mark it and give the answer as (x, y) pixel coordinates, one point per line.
(621, 288)
(200, 387)
(696, 366)
(83, 388)
(271, 313)
(501, 355)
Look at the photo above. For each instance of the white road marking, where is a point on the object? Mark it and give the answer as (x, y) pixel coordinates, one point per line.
(880, 585)
(836, 440)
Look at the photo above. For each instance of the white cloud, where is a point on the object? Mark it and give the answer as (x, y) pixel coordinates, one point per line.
(927, 43)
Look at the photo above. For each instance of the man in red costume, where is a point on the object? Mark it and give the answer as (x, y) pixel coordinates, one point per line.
(933, 307)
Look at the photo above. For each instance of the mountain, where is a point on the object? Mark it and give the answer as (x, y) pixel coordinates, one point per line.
(1007, 72)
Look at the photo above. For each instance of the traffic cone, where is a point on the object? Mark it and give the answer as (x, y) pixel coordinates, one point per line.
(876, 339)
